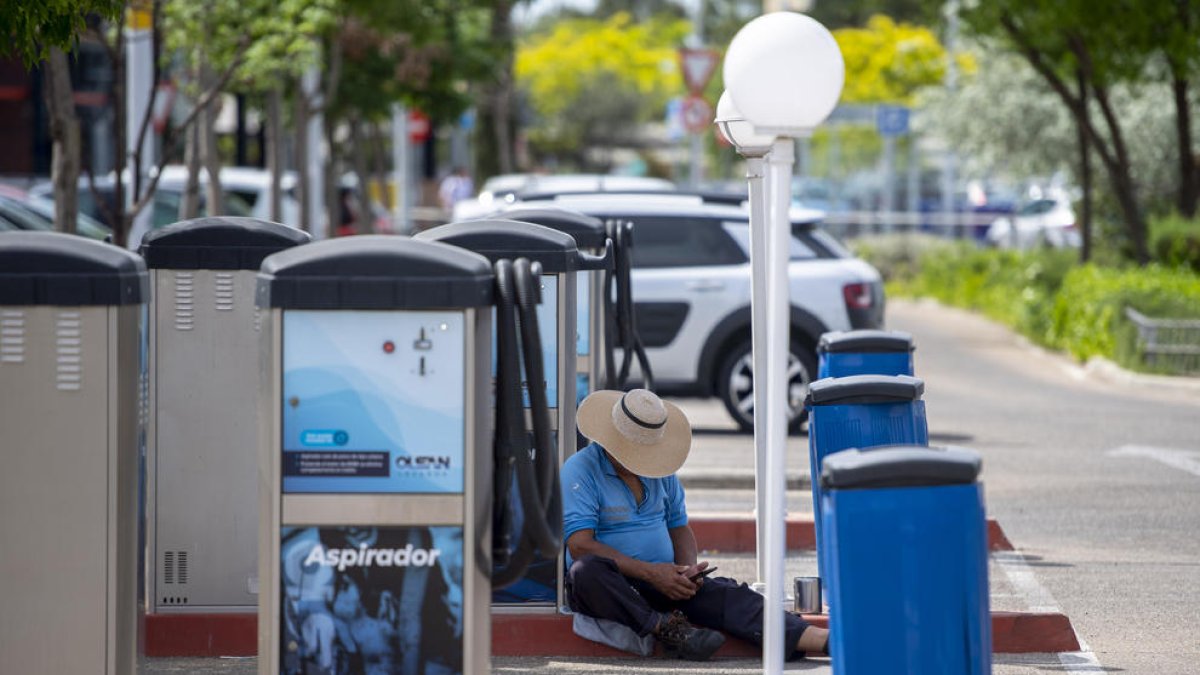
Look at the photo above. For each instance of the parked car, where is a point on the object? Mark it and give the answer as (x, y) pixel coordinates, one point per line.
(691, 287)
(1048, 221)
(164, 207)
(20, 210)
(508, 188)
(251, 187)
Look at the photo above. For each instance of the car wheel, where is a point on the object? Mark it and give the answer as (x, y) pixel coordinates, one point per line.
(735, 384)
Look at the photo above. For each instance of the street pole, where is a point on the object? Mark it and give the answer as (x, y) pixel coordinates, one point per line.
(889, 181)
(948, 159)
(317, 154)
(400, 170)
(139, 81)
(758, 327)
(778, 184)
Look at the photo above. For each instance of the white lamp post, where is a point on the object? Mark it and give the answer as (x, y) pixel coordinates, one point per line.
(740, 134)
(784, 72)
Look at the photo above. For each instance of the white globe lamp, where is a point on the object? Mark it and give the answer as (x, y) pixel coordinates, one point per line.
(784, 72)
(738, 131)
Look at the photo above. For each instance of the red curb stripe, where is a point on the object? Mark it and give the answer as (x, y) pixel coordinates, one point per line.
(201, 634)
(551, 635)
(736, 535)
(1024, 632)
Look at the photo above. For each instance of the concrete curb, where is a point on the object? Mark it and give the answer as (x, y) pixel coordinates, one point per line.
(735, 534)
(513, 634)
(734, 479)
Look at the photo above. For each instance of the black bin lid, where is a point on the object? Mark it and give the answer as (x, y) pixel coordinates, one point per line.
(899, 466)
(587, 231)
(375, 272)
(866, 342)
(864, 389)
(51, 268)
(217, 243)
(496, 239)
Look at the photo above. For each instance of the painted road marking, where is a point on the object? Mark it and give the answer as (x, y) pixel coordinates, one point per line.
(1020, 576)
(1184, 460)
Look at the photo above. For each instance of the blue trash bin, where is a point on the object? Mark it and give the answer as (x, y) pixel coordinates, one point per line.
(907, 582)
(865, 352)
(860, 411)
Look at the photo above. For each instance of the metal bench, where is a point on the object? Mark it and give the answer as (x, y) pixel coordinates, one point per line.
(1173, 344)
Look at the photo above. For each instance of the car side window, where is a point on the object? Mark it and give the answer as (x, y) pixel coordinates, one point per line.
(740, 231)
(683, 241)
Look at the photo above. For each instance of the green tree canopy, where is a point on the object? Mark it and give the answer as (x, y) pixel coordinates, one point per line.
(29, 29)
(592, 81)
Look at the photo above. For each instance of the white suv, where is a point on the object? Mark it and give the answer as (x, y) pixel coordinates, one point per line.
(691, 287)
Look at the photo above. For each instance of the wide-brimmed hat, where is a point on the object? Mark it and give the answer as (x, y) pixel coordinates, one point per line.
(647, 435)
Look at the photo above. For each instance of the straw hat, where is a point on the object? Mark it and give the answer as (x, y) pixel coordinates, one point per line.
(647, 435)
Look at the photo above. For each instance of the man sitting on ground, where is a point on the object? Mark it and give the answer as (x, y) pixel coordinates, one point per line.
(630, 552)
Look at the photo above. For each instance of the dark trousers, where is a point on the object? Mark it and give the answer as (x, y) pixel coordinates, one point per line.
(596, 587)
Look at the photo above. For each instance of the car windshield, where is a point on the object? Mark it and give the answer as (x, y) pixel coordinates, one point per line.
(1036, 208)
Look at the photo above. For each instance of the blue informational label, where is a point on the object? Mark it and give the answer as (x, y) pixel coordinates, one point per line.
(371, 600)
(583, 313)
(373, 402)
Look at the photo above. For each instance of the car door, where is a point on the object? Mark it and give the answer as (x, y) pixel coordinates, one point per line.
(688, 274)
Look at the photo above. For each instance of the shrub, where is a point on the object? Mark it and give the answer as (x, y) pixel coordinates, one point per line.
(1175, 241)
(1044, 294)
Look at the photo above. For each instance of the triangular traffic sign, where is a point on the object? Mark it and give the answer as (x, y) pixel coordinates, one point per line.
(698, 66)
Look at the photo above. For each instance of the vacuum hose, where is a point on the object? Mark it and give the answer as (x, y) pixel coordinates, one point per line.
(618, 300)
(518, 293)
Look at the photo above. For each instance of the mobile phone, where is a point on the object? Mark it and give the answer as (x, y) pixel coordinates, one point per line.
(700, 575)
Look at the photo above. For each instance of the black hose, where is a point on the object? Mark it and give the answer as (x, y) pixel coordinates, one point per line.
(510, 417)
(547, 520)
(626, 318)
(518, 293)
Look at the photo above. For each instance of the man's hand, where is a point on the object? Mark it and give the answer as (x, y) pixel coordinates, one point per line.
(669, 579)
(693, 570)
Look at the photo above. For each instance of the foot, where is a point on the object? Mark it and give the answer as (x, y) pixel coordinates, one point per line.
(814, 641)
(685, 641)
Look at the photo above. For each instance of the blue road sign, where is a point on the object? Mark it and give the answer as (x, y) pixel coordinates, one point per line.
(891, 120)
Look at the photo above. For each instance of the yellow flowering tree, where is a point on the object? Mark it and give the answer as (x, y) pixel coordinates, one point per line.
(592, 82)
(887, 62)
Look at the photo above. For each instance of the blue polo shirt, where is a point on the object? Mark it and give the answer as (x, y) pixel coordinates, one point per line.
(595, 498)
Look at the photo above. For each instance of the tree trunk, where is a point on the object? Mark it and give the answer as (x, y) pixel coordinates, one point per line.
(378, 148)
(213, 197)
(500, 100)
(64, 130)
(357, 143)
(333, 203)
(121, 220)
(1085, 176)
(274, 124)
(303, 185)
(1189, 191)
(189, 202)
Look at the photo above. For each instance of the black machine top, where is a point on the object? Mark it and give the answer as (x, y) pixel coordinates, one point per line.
(497, 239)
(51, 268)
(899, 466)
(218, 243)
(588, 231)
(864, 389)
(866, 342)
(375, 272)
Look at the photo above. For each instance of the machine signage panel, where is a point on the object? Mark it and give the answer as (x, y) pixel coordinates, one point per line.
(371, 600)
(373, 402)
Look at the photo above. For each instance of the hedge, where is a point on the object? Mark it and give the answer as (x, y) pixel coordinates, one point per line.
(1045, 294)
